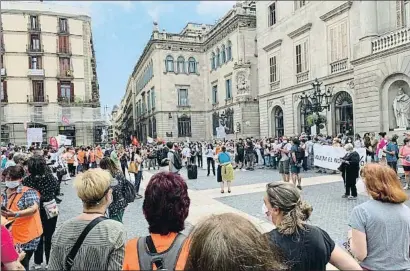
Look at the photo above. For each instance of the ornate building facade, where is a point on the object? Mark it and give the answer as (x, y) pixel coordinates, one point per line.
(358, 49)
(189, 84)
(48, 74)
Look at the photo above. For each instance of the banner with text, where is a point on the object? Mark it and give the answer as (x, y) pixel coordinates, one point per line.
(330, 157)
(34, 135)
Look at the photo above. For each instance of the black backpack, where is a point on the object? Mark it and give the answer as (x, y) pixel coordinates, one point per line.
(177, 160)
(128, 191)
(300, 154)
(164, 157)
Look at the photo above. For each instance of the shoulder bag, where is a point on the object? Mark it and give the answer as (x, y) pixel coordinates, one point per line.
(69, 261)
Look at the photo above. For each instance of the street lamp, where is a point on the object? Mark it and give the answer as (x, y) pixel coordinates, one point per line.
(316, 101)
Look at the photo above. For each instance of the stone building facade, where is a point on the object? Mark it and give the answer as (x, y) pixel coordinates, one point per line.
(48, 74)
(359, 50)
(189, 84)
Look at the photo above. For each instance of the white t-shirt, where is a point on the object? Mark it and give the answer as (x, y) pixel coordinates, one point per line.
(285, 156)
(186, 152)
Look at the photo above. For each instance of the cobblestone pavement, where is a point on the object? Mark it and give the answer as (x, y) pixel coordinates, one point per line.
(241, 178)
(330, 211)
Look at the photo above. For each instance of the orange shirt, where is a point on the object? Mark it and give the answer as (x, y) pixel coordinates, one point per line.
(92, 157)
(218, 150)
(80, 157)
(99, 154)
(162, 243)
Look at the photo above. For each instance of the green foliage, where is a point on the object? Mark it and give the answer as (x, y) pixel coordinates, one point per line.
(313, 119)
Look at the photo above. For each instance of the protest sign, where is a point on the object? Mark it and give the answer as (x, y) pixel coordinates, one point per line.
(330, 157)
(34, 135)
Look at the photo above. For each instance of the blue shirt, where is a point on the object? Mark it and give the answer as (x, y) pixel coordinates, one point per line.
(223, 158)
(390, 148)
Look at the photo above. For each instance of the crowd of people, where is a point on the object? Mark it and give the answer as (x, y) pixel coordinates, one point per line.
(96, 239)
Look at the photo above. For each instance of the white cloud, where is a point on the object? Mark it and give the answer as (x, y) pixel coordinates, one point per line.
(216, 8)
(156, 9)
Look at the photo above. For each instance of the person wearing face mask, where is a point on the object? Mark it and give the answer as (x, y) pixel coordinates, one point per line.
(20, 204)
(103, 246)
(304, 246)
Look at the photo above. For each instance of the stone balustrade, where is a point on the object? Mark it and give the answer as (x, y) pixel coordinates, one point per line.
(302, 77)
(338, 66)
(391, 40)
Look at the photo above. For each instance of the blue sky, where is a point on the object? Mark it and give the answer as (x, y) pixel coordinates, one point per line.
(121, 29)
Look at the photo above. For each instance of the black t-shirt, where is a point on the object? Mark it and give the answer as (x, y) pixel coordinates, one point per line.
(240, 149)
(308, 249)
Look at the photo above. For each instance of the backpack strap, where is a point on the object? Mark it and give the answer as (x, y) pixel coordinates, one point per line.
(69, 260)
(167, 260)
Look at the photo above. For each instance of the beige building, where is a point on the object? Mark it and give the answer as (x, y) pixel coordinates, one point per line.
(49, 75)
(359, 50)
(186, 85)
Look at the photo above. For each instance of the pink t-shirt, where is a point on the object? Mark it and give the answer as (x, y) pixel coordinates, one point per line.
(380, 146)
(8, 252)
(405, 152)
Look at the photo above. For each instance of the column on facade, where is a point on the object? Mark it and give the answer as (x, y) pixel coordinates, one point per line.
(368, 19)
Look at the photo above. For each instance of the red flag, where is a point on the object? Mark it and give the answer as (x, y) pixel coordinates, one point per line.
(135, 141)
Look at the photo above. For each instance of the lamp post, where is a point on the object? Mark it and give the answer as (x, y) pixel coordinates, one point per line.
(316, 101)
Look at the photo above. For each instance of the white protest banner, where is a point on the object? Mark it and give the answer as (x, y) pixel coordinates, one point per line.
(220, 132)
(330, 157)
(34, 135)
(67, 142)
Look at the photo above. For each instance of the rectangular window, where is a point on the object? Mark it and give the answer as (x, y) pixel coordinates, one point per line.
(228, 86)
(63, 25)
(37, 113)
(299, 4)
(183, 97)
(64, 65)
(272, 14)
(338, 42)
(38, 91)
(63, 44)
(184, 126)
(301, 57)
(214, 94)
(149, 101)
(153, 98)
(34, 23)
(34, 42)
(3, 91)
(35, 62)
(272, 70)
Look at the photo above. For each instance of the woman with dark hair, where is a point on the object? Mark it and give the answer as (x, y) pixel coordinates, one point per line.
(165, 207)
(21, 205)
(117, 207)
(210, 153)
(231, 242)
(42, 180)
(304, 246)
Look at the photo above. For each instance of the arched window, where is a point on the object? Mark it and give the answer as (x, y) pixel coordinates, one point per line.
(191, 65)
(277, 122)
(223, 54)
(169, 64)
(213, 66)
(218, 63)
(181, 64)
(343, 113)
(229, 51)
(305, 111)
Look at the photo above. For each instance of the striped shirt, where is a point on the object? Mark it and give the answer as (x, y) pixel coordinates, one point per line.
(102, 249)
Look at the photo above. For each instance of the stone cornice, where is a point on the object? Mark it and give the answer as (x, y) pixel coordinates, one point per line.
(396, 50)
(336, 11)
(48, 13)
(300, 31)
(273, 45)
(305, 84)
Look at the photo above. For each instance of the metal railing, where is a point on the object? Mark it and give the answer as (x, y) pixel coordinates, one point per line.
(32, 99)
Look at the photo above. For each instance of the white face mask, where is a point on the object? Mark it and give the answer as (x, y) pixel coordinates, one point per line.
(267, 214)
(12, 184)
(285, 141)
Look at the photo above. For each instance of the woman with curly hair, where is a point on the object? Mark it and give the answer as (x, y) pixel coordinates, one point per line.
(165, 207)
(304, 246)
(117, 207)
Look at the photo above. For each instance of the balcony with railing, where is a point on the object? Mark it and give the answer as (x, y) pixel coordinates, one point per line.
(391, 40)
(66, 100)
(65, 74)
(302, 77)
(35, 73)
(34, 27)
(64, 51)
(37, 100)
(338, 66)
(34, 50)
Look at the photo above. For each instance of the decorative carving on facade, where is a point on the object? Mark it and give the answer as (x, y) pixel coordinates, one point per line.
(401, 107)
(282, 100)
(242, 82)
(351, 84)
(270, 102)
(336, 11)
(296, 98)
(300, 31)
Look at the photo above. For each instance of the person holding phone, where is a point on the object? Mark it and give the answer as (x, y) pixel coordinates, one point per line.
(21, 205)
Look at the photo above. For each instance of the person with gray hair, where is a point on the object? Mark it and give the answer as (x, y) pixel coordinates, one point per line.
(349, 169)
(304, 246)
